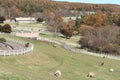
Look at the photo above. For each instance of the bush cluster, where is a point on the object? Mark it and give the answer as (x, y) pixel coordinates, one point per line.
(5, 28)
(2, 19)
(40, 20)
(101, 40)
(67, 33)
(2, 40)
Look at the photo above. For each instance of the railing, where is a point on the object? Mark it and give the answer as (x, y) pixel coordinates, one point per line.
(18, 51)
(70, 48)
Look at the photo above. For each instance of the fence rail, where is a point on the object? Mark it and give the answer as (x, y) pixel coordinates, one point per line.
(70, 48)
(19, 51)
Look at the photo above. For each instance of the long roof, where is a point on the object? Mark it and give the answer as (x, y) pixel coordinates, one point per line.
(25, 19)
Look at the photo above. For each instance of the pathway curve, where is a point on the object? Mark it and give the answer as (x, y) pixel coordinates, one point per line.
(70, 47)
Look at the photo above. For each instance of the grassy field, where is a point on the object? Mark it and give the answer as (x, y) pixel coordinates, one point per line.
(23, 24)
(41, 64)
(73, 40)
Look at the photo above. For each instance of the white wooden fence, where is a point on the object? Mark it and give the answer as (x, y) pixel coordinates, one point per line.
(19, 51)
(70, 48)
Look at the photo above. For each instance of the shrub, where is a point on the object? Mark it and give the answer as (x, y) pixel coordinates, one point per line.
(2, 19)
(2, 40)
(6, 28)
(0, 28)
(104, 39)
(112, 49)
(67, 33)
(97, 44)
(83, 42)
(39, 20)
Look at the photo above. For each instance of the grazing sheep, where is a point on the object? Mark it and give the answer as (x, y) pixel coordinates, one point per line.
(111, 70)
(57, 73)
(54, 45)
(102, 63)
(27, 44)
(91, 74)
(104, 57)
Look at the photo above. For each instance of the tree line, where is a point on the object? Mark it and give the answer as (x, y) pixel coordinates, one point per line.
(15, 8)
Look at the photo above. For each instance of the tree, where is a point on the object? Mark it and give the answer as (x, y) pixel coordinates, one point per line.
(118, 38)
(6, 28)
(0, 28)
(78, 22)
(57, 22)
(40, 20)
(101, 39)
(67, 33)
(2, 19)
(15, 12)
(53, 20)
(99, 19)
(96, 20)
(68, 29)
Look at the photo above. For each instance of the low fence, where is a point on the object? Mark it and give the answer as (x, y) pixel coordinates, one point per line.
(19, 51)
(70, 48)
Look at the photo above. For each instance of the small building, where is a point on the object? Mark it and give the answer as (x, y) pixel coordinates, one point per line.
(25, 20)
(66, 19)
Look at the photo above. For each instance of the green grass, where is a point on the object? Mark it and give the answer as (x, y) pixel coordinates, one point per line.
(41, 64)
(61, 38)
(24, 24)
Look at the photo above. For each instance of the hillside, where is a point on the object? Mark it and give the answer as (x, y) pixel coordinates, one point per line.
(41, 64)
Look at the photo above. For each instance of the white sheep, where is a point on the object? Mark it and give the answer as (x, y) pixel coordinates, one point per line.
(111, 70)
(57, 73)
(91, 74)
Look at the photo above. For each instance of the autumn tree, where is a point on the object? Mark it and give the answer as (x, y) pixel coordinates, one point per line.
(68, 28)
(99, 19)
(53, 20)
(118, 38)
(15, 12)
(96, 20)
(100, 39)
(118, 19)
(57, 22)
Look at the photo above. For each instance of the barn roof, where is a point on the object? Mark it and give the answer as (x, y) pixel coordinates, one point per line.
(25, 19)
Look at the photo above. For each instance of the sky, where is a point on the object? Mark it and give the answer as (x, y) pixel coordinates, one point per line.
(95, 1)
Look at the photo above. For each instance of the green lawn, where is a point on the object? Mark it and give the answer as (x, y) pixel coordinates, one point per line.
(23, 24)
(41, 64)
(60, 37)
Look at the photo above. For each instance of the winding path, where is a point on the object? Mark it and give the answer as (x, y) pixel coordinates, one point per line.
(70, 48)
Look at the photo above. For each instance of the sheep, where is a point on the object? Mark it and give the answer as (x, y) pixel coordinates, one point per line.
(57, 73)
(54, 45)
(104, 57)
(111, 70)
(102, 63)
(91, 74)
(27, 44)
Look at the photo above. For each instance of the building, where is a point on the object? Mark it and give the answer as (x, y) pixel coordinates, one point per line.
(25, 20)
(66, 19)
